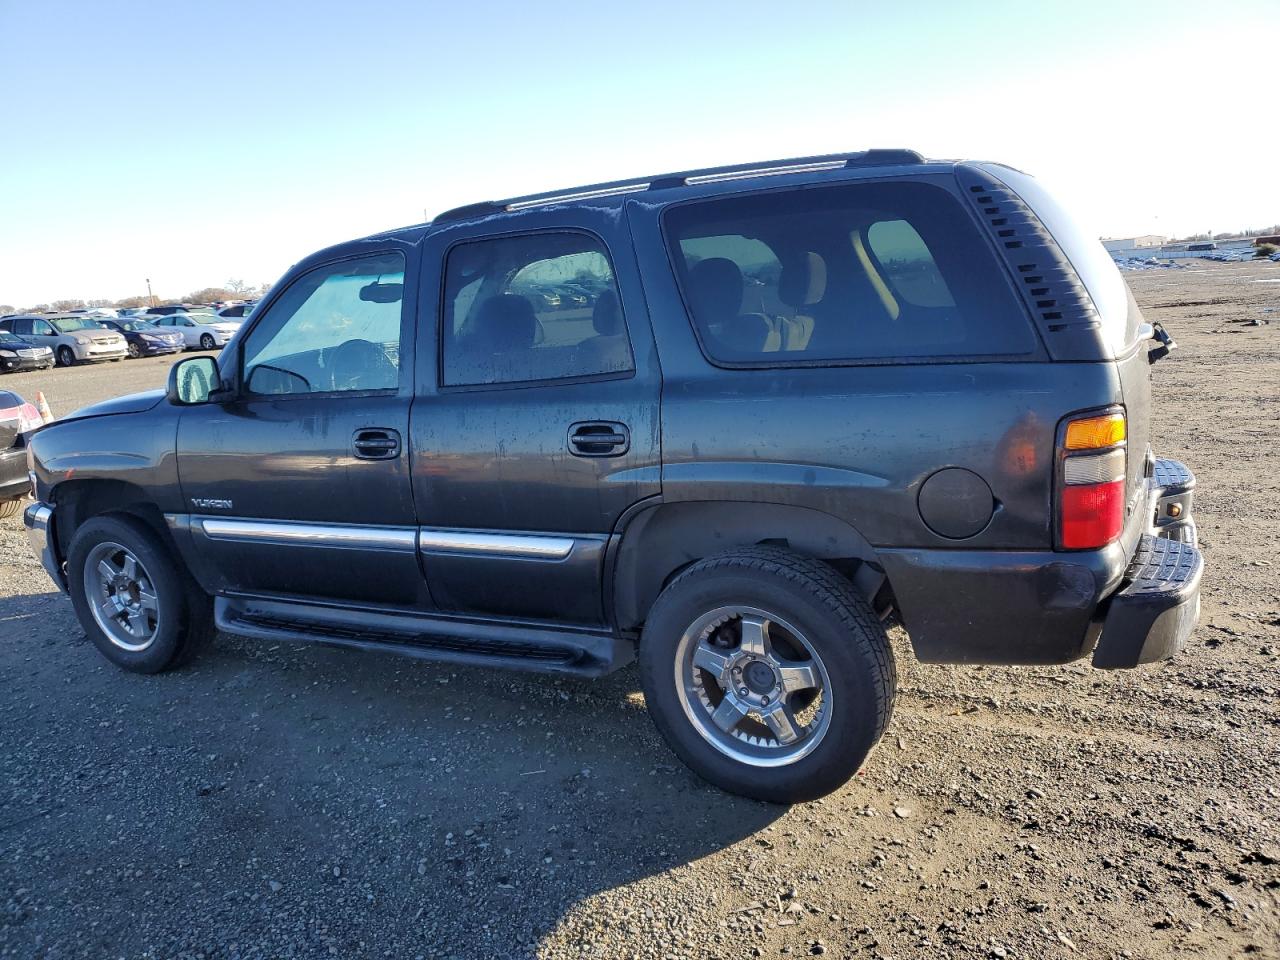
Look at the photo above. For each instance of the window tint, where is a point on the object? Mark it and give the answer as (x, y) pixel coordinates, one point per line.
(851, 272)
(336, 328)
(539, 307)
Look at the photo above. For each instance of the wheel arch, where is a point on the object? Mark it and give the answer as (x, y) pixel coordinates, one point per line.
(79, 500)
(660, 540)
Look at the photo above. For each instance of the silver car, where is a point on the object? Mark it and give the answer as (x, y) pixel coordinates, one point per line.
(73, 339)
(204, 331)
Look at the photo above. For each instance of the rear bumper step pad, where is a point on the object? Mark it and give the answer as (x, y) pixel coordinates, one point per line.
(1150, 617)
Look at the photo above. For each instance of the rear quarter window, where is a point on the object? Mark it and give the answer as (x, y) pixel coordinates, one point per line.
(845, 273)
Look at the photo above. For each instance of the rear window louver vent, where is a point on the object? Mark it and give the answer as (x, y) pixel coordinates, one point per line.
(1046, 281)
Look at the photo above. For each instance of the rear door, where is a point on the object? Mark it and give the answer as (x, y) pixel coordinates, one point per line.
(299, 486)
(537, 424)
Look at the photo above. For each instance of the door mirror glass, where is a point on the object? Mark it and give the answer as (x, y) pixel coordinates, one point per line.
(192, 381)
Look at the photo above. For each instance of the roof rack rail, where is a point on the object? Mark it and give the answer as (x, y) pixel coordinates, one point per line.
(773, 168)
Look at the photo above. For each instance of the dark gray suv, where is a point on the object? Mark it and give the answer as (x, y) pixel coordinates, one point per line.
(729, 422)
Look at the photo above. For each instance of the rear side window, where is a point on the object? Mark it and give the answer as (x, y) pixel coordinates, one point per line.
(866, 271)
(542, 306)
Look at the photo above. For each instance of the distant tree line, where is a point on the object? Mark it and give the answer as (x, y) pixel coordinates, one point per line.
(232, 290)
(1251, 232)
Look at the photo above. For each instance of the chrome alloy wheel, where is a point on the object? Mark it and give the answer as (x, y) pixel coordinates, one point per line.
(753, 686)
(122, 597)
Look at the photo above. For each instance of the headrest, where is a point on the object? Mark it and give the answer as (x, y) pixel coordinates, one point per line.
(507, 321)
(803, 281)
(605, 316)
(715, 290)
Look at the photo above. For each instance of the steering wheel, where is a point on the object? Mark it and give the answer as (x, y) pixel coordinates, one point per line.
(361, 365)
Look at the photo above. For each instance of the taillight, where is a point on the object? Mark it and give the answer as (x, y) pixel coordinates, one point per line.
(29, 418)
(1091, 482)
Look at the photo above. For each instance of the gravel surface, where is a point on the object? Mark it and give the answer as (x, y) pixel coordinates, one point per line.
(281, 801)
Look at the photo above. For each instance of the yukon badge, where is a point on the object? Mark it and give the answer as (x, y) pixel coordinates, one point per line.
(201, 503)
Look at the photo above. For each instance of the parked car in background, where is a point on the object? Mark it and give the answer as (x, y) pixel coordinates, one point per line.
(237, 311)
(171, 308)
(145, 339)
(131, 311)
(199, 330)
(16, 418)
(19, 354)
(73, 339)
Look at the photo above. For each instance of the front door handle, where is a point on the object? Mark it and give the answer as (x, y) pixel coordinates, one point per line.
(599, 438)
(376, 443)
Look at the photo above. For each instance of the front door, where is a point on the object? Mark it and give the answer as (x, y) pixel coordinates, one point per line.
(540, 425)
(299, 486)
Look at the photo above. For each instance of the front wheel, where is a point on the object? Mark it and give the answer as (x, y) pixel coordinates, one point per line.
(135, 602)
(207, 342)
(9, 508)
(767, 673)
(66, 357)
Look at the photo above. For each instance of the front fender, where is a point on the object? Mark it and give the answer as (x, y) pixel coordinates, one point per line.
(137, 449)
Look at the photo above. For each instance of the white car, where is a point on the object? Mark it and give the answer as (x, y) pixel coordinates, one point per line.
(201, 330)
(73, 339)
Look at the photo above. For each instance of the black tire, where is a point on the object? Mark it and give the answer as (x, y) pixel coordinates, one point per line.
(185, 622)
(66, 357)
(839, 625)
(135, 351)
(9, 508)
(207, 342)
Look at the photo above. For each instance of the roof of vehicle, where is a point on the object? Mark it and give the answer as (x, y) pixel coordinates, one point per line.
(666, 181)
(51, 316)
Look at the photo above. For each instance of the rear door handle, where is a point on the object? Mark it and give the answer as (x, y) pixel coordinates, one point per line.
(376, 443)
(599, 438)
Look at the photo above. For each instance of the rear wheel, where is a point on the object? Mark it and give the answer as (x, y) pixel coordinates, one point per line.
(138, 606)
(207, 342)
(66, 357)
(767, 674)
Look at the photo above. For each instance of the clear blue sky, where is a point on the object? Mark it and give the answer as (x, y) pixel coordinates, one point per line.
(194, 142)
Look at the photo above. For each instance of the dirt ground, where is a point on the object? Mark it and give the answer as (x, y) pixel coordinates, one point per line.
(279, 801)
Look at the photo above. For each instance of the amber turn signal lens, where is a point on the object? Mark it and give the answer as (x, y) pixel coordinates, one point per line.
(1095, 432)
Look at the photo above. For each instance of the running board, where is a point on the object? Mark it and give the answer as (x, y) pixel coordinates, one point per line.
(518, 647)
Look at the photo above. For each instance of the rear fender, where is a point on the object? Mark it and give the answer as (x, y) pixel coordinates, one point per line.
(661, 540)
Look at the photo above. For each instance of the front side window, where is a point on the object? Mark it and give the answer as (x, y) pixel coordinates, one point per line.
(335, 329)
(865, 271)
(543, 306)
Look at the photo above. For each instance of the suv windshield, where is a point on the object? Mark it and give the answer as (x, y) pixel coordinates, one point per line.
(73, 324)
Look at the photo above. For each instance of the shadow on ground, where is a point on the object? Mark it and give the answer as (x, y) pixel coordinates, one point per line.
(273, 800)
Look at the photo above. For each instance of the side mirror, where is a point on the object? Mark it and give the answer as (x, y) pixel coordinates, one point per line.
(193, 381)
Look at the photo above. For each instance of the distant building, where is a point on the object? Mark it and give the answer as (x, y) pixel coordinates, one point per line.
(1259, 241)
(1134, 243)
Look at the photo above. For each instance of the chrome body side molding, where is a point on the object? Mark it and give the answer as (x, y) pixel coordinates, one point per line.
(528, 546)
(396, 539)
